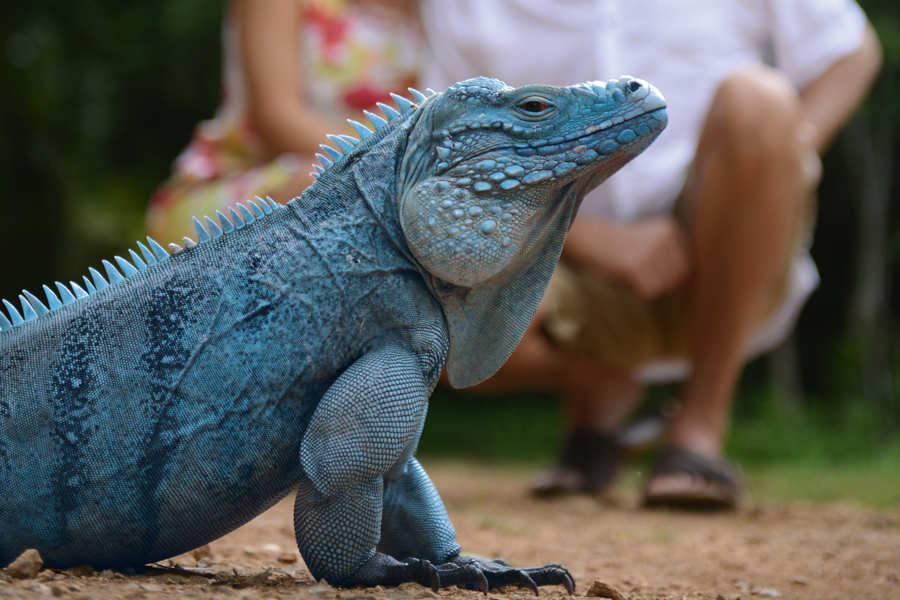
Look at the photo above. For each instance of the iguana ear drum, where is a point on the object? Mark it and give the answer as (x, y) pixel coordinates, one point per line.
(455, 234)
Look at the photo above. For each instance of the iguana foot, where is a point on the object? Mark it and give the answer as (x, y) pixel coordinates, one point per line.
(382, 569)
(499, 573)
(470, 572)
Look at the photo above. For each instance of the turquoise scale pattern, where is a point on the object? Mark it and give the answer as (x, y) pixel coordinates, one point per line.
(151, 253)
(367, 423)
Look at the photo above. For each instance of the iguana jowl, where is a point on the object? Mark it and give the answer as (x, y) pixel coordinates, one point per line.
(183, 394)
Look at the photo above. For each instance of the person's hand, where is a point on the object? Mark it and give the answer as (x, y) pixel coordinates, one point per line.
(649, 256)
(652, 257)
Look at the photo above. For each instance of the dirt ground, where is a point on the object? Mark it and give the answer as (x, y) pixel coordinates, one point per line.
(764, 550)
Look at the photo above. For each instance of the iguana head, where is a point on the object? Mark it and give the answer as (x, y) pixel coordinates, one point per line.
(487, 179)
(489, 167)
(489, 184)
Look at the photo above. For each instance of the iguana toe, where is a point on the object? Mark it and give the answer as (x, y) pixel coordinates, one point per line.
(499, 573)
(382, 569)
(470, 572)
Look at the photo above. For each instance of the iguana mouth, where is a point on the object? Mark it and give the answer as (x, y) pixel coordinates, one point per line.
(571, 140)
(595, 129)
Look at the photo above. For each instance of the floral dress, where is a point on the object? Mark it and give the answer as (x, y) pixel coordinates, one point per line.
(353, 55)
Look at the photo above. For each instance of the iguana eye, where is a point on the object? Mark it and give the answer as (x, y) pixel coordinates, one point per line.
(534, 108)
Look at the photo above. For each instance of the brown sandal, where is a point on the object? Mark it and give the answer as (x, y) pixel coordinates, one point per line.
(588, 463)
(685, 480)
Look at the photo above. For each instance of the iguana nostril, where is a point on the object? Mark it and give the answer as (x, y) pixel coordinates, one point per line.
(634, 86)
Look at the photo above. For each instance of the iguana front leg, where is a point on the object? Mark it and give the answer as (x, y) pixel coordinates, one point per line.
(362, 435)
(366, 423)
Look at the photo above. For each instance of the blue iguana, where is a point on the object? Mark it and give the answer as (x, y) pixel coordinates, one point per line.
(152, 410)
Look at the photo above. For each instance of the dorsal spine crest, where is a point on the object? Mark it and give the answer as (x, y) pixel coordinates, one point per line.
(153, 253)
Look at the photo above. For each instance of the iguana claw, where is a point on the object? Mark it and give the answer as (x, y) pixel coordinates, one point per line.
(463, 575)
(424, 572)
(498, 573)
(552, 574)
(470, 572)
(382, 569)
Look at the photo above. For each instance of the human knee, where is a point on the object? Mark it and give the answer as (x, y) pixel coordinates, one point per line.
(755, 117)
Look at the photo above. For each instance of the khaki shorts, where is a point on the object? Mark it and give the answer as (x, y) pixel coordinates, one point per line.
(602, 318)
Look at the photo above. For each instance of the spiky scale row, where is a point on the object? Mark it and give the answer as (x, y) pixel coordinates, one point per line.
(33, 307)
(235, 218)
(28, 311)
(99, 282)
(227, 227)
(340, 142)
(153, 252)
(148, 255)
(419, 96)
(345, 143)
(403, 104)
(202, 233)
(326, 162)
(158, 250)
(363, 131)
(13, 313)
(52, 298)
(257, 211)
(388, 111)
(240, 217)
(112, 272)
(35, 303)
(140, 264)
(80, 292)
(334, 154)
(245, 212)
(125, 267)
(65, 294)
(377, 122)
(213, 227)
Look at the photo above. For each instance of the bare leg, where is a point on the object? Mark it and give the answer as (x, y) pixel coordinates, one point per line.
(596, 399)
(591, 453)
(747, 196)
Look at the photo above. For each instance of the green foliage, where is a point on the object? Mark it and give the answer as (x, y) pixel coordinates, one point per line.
(495, 427)
(99, 97)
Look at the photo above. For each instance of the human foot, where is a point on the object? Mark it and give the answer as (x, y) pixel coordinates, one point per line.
(588, 463)
(684, 479)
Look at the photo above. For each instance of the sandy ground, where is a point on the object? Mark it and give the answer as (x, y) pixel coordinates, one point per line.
(764, 550)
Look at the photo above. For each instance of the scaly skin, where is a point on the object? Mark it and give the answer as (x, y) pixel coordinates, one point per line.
(299, 350)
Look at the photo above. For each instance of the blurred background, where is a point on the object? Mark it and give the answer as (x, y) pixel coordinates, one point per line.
(99, 96)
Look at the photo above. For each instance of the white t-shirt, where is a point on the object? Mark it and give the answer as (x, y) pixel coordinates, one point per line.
(683, 47)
